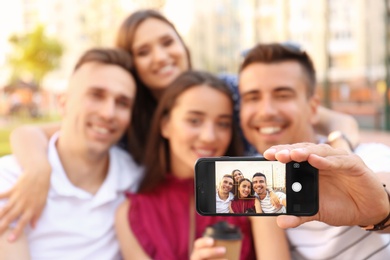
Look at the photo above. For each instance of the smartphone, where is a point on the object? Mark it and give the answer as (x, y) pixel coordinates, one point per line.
(264, 187)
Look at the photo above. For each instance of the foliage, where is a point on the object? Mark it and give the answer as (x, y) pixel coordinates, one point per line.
(34, 54)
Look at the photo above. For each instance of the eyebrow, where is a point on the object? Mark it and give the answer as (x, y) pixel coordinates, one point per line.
(103, 89)
(277, 89)
(142, 45)
(229, 116)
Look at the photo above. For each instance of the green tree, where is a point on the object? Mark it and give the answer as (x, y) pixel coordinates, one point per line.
(34, 54)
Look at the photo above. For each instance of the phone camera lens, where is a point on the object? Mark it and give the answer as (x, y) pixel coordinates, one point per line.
(296, 165)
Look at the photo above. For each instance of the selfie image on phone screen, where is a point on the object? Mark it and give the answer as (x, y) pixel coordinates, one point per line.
(255, 186)
(263, 182)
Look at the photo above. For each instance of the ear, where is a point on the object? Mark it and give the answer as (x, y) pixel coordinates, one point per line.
(165, 127)
(314, 103)
(62, 98)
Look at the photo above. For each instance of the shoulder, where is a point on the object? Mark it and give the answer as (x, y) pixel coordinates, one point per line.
(280, 194)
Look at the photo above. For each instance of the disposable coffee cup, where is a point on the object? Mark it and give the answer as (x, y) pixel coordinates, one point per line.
(228, 236)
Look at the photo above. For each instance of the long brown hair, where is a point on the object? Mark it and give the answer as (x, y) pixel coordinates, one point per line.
(157, 159)
(145, 103)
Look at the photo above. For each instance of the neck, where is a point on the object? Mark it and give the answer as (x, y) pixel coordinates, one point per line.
(262, 195)
(85, 170)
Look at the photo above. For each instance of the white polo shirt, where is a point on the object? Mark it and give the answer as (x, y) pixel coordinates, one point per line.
(222, 206)
(76, 224)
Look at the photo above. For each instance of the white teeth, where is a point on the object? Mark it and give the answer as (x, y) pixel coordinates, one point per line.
(100, 130)
(204, 153)
(270, 130)
(165, 69)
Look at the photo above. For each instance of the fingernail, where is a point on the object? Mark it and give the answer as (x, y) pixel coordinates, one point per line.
(221, 249)
(284, 151)
(270, 150)
(209, 241)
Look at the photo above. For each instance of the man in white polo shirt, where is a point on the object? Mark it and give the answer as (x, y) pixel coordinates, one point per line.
(89, 174)
(223, 194)
(269, 204)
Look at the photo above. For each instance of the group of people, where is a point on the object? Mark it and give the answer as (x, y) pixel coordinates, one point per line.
(115, 178)
(236, 194)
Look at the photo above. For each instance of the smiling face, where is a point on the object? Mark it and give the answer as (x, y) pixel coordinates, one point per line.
(259, 185)
(159, 54)
(226, 185)
(97, 106)
(275, 108)
(244, 189)
(199, 125)
(237, 175)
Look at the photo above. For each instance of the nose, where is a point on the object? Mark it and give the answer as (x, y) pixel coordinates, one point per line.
(107, 111)
(266, 107)
(208, 132)
(159, 54)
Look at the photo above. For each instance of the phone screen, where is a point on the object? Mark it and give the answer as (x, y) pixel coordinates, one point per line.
(255, 186)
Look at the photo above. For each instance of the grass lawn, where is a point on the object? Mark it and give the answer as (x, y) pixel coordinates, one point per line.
(7, 125)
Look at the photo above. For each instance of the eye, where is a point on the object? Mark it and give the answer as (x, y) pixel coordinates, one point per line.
(194, 121)
(167, 42)
(284, 94)
(251, 97)
(142, 52)
(225, 124)
(124, 103)
(97, 94)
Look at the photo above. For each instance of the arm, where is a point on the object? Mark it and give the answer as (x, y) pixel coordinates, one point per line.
(28, 197)
(16, 250)
(274, 199)
(128, 243)
(330, 120)
(230, 207)
(270, 241)
(258, 206)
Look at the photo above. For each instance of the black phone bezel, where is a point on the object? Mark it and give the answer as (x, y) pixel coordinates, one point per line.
(303, 203)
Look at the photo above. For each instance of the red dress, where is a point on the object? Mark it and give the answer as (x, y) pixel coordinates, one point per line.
(242, 205)
(160, 221)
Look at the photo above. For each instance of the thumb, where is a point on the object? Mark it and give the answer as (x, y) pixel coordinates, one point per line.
(286, 221)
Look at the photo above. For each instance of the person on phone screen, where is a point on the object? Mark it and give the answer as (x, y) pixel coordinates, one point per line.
(138, 36)
(244, 201)
(237, 176)
(278, 109)
(259, 181)
(224, 194)
(88, 181)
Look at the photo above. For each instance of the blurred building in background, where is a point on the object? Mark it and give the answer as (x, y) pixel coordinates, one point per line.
(346, 38)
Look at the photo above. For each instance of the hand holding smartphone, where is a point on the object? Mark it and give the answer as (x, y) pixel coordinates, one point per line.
(262, 188)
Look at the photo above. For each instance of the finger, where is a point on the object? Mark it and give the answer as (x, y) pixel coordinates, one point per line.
(209, 253)
(11, 215)
(300, 152)
(17, 231)
(270, 152)
(203, 242)
(287, 221)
